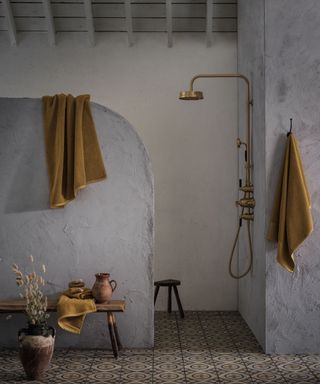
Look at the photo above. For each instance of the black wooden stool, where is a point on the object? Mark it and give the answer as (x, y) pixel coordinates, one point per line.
(170, 283)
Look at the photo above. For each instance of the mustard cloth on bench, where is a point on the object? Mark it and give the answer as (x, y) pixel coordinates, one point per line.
(72, 307)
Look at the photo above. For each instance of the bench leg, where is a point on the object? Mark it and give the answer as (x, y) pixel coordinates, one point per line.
(116, 332)
(169, 298)
(178, 301)
(112, 334)
(156, 294)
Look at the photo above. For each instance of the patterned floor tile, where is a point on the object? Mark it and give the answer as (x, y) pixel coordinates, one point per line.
(225, 358)
(109, 366)
(192, 357)
(266, 376)
(177, 375)
(167, 351)
(104, 376)
(201, 376)
(205, 347)
(140, 351)
(300, 377)
(238, 375)
(136, 358)
(72, 376)
(129, 375)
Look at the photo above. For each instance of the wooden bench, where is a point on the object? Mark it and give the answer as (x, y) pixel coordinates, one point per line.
(18, 306)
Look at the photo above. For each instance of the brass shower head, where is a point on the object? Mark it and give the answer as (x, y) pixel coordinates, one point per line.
(191, 95)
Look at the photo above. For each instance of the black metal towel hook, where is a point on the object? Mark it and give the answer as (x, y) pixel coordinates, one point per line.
(290, 127)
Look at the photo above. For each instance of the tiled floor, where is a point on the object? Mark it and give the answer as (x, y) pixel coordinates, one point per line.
(205, 347)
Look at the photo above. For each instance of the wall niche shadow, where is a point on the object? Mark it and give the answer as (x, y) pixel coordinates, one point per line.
(23, 162)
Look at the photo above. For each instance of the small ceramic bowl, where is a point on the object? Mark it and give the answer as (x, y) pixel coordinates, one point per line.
(76, 284)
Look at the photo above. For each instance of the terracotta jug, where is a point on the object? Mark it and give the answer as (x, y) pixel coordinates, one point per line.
(102, 288)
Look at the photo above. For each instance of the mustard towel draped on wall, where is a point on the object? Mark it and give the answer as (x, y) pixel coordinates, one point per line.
(73, 154)
(291, 219)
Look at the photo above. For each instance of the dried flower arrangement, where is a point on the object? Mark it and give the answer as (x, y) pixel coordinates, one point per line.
(36, 301)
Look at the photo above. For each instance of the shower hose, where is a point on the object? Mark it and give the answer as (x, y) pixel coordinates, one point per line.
(234, 247)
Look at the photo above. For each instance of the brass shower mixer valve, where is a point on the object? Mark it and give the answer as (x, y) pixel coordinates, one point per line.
(246, 202)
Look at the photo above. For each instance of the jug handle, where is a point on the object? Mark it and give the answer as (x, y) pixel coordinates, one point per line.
(115, 285)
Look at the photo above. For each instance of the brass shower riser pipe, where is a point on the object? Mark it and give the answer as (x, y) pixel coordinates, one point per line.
(249, 103)
(247, 202)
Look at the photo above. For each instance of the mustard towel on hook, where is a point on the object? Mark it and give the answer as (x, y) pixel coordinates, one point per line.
(73, 154)
(291, 219)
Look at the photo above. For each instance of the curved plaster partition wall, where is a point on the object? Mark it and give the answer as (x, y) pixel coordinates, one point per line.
(108, 228)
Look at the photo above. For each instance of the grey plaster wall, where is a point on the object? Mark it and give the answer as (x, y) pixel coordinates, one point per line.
(283, 36)
(251, 63)
(292, 90)
(109, 227)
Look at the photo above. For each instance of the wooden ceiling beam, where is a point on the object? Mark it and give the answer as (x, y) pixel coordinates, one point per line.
(90, 22)
(209, 17)
(128, 12)
(50, 22)
(10, 22)
(169, 22)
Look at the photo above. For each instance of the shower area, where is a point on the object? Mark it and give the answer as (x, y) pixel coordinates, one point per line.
(215, 161)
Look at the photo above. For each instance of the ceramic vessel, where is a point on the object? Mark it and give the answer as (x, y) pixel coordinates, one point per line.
(36, 345)
(76, 284)
(103, 288)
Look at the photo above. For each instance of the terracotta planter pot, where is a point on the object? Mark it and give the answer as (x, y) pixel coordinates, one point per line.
(103, 288)
(36, 345)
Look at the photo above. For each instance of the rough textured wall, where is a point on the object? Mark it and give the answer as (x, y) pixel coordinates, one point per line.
(251, 64)
(292, 90)
(109, 227)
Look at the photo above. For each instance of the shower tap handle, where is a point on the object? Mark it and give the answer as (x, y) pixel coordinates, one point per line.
(240, 183)
(246, 155)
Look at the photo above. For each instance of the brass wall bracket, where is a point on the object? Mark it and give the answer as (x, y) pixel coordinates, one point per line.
(247, 216)
(247, 188)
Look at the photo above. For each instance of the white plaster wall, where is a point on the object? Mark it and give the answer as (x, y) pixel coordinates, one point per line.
(191, 145)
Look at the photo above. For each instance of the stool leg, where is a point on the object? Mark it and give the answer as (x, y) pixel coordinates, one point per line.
(156, 294)
(169, 298)
(178, 301)
(112, 336)
(116, 332)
